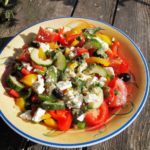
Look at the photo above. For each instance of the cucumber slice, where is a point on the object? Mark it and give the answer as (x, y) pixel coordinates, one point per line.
(39, 61)
(53, 106)
(92, 44)
(52, 74)
(96, 69)
(60, 61)
(14, 84)
(99, 92)
(47, 98)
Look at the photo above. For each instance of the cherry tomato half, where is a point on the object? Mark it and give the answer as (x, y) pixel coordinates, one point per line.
(117, 94)
(97, 116)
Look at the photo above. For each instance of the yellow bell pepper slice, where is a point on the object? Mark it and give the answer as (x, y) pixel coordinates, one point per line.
(104, 37)
(50, 123)
(46, 116)
(75, 42)
(42, 54)
(29, 79)
(53, 45)
(72, 65)
(98, 60)
(67, 51)
(74, 31)
(20, 102)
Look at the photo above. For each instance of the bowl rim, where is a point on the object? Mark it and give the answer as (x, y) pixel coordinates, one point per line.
(99, 140)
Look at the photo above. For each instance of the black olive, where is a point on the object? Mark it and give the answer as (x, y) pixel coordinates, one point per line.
(57, 93)
(125, 77)
(35, 44)
(17, 74)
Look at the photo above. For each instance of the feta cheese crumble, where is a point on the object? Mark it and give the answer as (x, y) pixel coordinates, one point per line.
(26, 115)
(27, 66)
(38, 115)
(62, 85)
(38, 86)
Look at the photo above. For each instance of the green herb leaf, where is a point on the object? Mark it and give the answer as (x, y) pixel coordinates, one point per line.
(93, 30)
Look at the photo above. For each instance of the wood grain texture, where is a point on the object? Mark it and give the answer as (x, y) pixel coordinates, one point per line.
(97, 9)
(134, 18)
(32, 11)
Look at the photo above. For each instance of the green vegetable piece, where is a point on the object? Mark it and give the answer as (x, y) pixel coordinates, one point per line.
(93, 30)
(81, 125)
(96, 69)
(14, 83)
(40, 71)
(60, 61)
(50, 98)
(39, 61)
(26, 93)
(52, 74)
(53, 106)
(92, 44)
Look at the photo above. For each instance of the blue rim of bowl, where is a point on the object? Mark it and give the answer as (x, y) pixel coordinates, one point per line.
(116, 132)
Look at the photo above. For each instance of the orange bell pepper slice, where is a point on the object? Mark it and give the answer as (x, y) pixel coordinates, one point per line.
(98, 60)
(29, 79)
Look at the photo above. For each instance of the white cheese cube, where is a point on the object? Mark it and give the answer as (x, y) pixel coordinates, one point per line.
(38, 86)
(27, 66)
(38, 115)
(81, 117)
(26, 115)
(62, 85)
(91, 97)
(102, 81)
(44, 46)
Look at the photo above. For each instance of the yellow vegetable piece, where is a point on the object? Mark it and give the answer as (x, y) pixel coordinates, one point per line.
(50, 122)
(46, 116)
(72, 65)
(29, 79)
(67, 51)
(42, 54)
(76, 30)
(98, 60)
(75, 42)
(104, 37)
(53, 45)
(20, 102)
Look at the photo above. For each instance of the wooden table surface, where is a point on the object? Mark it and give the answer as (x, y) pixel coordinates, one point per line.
(132, 16)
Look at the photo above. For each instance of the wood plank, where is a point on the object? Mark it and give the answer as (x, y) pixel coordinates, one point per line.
(32, 11)
(28, 12)
(134, 18)
(97, 9)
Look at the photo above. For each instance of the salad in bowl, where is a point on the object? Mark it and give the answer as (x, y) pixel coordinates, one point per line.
(71, 82)
(69, 78)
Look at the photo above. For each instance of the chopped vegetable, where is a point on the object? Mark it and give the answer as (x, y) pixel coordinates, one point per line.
(70, 77)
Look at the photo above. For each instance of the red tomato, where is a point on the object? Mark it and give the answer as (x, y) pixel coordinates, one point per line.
(120, 65)
(63, 118)
(80, 51)
(97, 116)
(14, 93)
(71, 38)
(24, 71)
(81, 43)
(115, 46)
(36, 66)
(24, 56)
(46, 36)
(118, 93)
